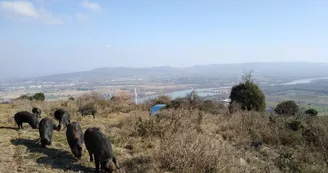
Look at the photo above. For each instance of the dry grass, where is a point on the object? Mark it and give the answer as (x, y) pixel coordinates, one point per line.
(177, 140)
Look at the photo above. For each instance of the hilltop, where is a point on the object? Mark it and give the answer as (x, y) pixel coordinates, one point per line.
(200, 137)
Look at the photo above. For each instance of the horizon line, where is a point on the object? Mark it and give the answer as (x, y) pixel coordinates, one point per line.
(169, 66)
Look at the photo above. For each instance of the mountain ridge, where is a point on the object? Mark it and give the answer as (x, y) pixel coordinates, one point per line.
(259, 68)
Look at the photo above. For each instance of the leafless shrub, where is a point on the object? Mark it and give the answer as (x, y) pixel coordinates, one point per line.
(123, 97)
(192, 152)
(89, 99)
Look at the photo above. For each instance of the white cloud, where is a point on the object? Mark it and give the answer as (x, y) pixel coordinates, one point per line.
(25, 11)
(107, 46)
(93, 6)
(18, 8)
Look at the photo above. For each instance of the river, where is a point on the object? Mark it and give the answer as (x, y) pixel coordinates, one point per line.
(182, 93)
(303, 81)
(203, 93)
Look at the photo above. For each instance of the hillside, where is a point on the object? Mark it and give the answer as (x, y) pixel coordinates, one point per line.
(300, 69)
(110, 72)
(185, 139)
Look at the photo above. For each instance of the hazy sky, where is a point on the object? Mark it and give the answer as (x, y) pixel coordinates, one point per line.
(39, 37)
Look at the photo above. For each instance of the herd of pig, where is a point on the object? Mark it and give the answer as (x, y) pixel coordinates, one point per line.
(99, 147)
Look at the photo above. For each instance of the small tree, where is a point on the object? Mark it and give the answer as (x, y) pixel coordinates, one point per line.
(287, 108)
(247, 77)
(194, 99)
(39, 96)
(311, 112)
(248, 94)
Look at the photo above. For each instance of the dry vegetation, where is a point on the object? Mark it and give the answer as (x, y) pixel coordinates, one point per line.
(190, 137)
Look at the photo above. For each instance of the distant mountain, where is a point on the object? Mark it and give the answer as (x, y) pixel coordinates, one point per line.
(109, 72)
(301, 69)
(263, 68)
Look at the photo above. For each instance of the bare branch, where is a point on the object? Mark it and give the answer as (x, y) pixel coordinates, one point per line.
(248, 77)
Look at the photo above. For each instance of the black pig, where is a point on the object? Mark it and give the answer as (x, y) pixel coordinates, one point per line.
(74, 135)
(100, 148)
(88, 111)
(63, 118)
(46, 131)
(36, 111)
(26, 117)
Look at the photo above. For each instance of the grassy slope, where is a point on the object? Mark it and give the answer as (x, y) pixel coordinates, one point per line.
(21, 154)
(181, 141)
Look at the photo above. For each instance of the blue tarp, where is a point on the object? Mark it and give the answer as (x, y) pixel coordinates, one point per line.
(156, 108)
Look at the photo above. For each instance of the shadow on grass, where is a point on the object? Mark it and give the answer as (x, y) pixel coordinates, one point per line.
(9, 128)
(57, 159)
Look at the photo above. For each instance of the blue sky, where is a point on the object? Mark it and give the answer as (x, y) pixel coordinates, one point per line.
(39, 37)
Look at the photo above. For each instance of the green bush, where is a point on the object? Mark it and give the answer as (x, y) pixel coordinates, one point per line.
(249, 96)
(25, 97)
(311, 112)
(287, 108)
(39, 96)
